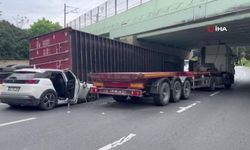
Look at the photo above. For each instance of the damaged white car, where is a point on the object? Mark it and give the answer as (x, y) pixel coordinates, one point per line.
(45, 88)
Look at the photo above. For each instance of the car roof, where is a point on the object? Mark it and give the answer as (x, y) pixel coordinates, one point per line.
(38, 70)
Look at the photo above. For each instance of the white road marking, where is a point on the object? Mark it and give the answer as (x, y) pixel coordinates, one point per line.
(119, 142)
(103, 113)
(182, 109)
(15, 122)
(218, 92)
(161, 112)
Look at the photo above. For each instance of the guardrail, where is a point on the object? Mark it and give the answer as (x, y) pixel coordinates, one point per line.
(108, 9)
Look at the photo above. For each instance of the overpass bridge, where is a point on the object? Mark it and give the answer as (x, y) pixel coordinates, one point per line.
(175, 26)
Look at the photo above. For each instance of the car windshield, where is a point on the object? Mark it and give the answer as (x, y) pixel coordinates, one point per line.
(26, 75)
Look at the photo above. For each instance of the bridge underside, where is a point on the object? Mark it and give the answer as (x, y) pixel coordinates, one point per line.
(195, 35)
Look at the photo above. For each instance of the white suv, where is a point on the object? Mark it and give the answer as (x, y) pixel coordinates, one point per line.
(43, 88)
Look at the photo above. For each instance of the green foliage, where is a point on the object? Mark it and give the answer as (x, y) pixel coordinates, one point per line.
(43, 26)
(247, 53)
(13, 42)
(245, 62)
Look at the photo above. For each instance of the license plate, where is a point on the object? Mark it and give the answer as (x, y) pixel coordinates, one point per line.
(14, 89)
(119, 92)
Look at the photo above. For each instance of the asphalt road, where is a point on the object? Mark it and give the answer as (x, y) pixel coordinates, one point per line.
(208, 121)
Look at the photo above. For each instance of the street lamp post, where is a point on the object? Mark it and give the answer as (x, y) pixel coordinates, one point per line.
(0, 11)
(64, 14)
(66, 11)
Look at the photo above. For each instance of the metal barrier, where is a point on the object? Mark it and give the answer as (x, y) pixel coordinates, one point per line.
(108, 9)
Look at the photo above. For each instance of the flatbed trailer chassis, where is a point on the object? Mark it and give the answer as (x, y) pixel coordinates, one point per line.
(164, 87)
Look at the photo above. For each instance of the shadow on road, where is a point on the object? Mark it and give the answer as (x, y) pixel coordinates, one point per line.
(129, 104)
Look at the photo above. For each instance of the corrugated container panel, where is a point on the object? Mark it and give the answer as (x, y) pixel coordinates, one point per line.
(51, 50)
(84, 53)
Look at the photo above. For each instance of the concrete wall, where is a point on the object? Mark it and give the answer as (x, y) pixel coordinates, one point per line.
(4, 63)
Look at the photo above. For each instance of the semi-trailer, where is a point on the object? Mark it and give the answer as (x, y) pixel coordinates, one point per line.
(127, 71)
(214, 68)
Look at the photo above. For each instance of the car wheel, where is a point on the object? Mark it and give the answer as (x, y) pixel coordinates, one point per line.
(48, 100)
(92, 97)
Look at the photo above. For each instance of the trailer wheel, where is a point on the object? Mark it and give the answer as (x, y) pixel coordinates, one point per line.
(176, 91)
(120, 98)
(163, 97)
(92, 97)
(186, 89)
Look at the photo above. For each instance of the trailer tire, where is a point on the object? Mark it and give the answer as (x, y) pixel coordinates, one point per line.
(176, 91)
(162, 98)
(120, 98)
(186, 90)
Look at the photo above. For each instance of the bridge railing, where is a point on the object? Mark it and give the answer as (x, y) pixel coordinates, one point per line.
(108, 9)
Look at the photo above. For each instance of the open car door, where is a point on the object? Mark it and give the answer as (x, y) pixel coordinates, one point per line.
(73, 87)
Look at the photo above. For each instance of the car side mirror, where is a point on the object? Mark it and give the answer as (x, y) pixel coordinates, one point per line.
(84, 84)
